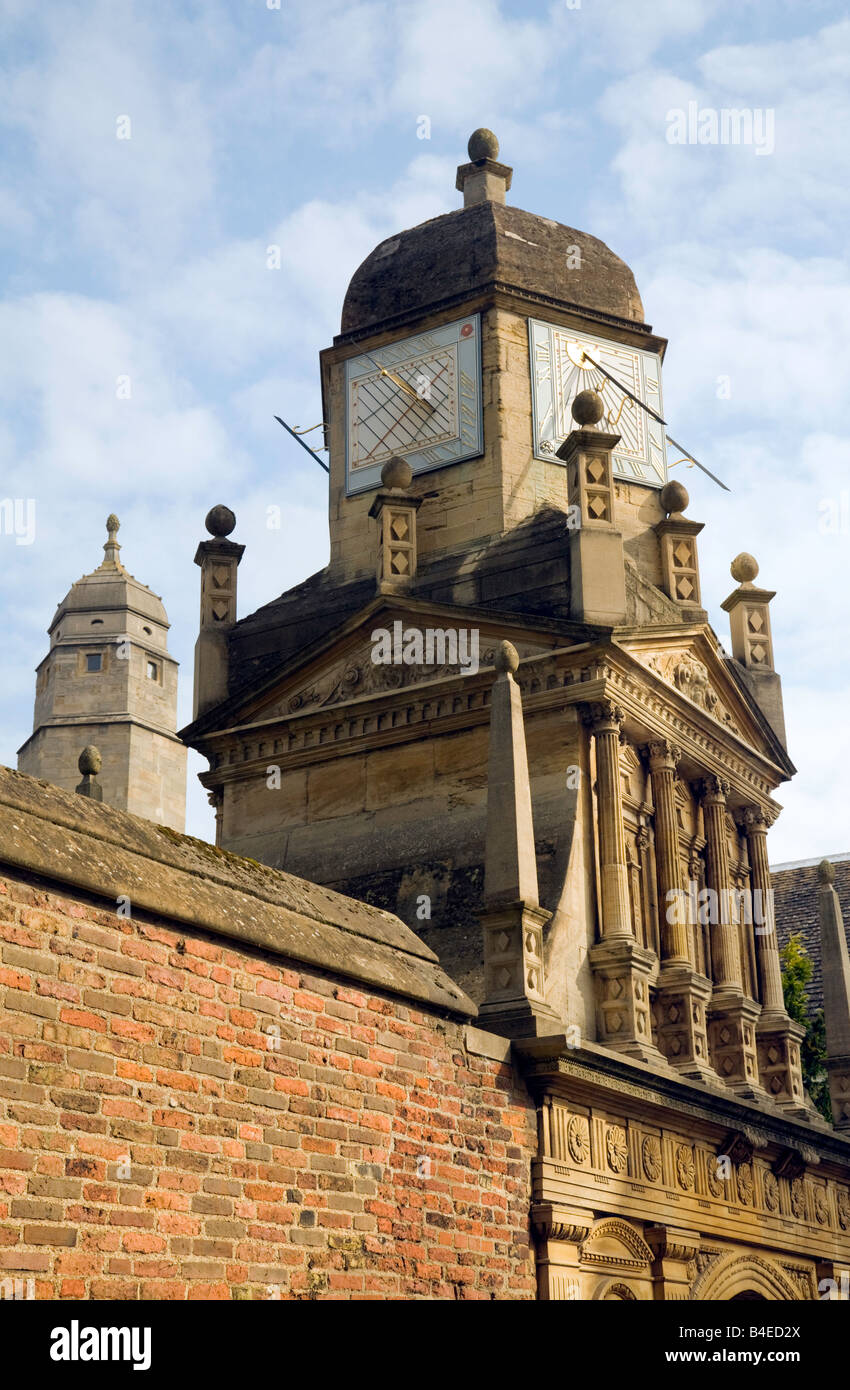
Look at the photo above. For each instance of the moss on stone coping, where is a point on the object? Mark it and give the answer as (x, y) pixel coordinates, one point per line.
(97, 849)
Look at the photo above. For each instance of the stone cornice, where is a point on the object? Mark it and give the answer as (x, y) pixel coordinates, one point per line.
(557, 679)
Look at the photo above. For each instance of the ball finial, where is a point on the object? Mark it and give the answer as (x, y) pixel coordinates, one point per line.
(220, 520)
(826, 872)
(396, 472)
(587, 408)
(482, 145)
(674, 497)
(90, 760)
(744, 568)
(507, 657)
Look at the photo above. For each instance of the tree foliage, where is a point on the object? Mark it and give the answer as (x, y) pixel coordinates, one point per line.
(796, 977)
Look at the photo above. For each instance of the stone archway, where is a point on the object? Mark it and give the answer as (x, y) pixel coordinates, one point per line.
(745, 1277)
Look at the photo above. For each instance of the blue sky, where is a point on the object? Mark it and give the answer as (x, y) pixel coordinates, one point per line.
(250, 126)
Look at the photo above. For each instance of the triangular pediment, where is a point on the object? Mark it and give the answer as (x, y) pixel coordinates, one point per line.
(691, 665)
(390, 647)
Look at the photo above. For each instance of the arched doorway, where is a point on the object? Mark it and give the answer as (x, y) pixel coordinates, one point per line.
(745, 1277)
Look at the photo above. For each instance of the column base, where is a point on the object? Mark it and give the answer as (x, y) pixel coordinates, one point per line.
(732, 1041)
(624, 971)
(681, 997)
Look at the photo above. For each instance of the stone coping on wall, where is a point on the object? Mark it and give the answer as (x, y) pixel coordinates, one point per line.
(97, 849)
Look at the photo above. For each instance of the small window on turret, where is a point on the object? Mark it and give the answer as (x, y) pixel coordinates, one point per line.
(94, 661)
(153, 671)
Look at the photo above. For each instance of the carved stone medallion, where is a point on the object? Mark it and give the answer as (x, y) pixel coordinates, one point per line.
(685, 1167)
(746, 1187)
(770, 1187)
(616, 1148)
(821, 1206)
(578, 1139)
(651, 1157)
(798, 1197)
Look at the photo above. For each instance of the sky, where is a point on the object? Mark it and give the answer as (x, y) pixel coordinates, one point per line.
(154, 152)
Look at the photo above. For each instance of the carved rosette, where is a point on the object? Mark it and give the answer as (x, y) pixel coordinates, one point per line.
(746, 1186)
(713, 1178)
(685, 1167)
(578, 1139)
(821, 1205)
(770, 1187)
(651, 1157)
(616, 1148)
(798, 1197)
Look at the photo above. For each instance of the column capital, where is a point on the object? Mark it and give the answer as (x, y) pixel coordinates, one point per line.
(603, 716)
(662, 753)
(757, 820)
(713, 790)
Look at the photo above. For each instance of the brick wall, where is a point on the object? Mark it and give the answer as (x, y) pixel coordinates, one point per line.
(156, 1142)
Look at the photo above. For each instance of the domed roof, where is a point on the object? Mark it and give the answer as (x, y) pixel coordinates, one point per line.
(110, 586)
(485, 243)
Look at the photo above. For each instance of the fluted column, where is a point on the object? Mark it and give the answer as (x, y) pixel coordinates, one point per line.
(663, 758)
(732, 1016)
(605, 720)
(767, 946)
(682, 992)
(725, 946)
(623, 968)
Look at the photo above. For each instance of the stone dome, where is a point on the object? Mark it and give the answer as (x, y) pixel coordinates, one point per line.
(102, 591)
(487, 243)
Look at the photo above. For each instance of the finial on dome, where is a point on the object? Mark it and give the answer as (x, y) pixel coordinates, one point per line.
(483, 180)
(744, 568)
(220, 520)
(587, 409)
(111, 547)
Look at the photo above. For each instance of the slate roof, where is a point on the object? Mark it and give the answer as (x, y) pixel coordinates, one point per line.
(795, 888)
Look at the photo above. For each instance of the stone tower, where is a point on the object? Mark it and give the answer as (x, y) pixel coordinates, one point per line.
(109, 680)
